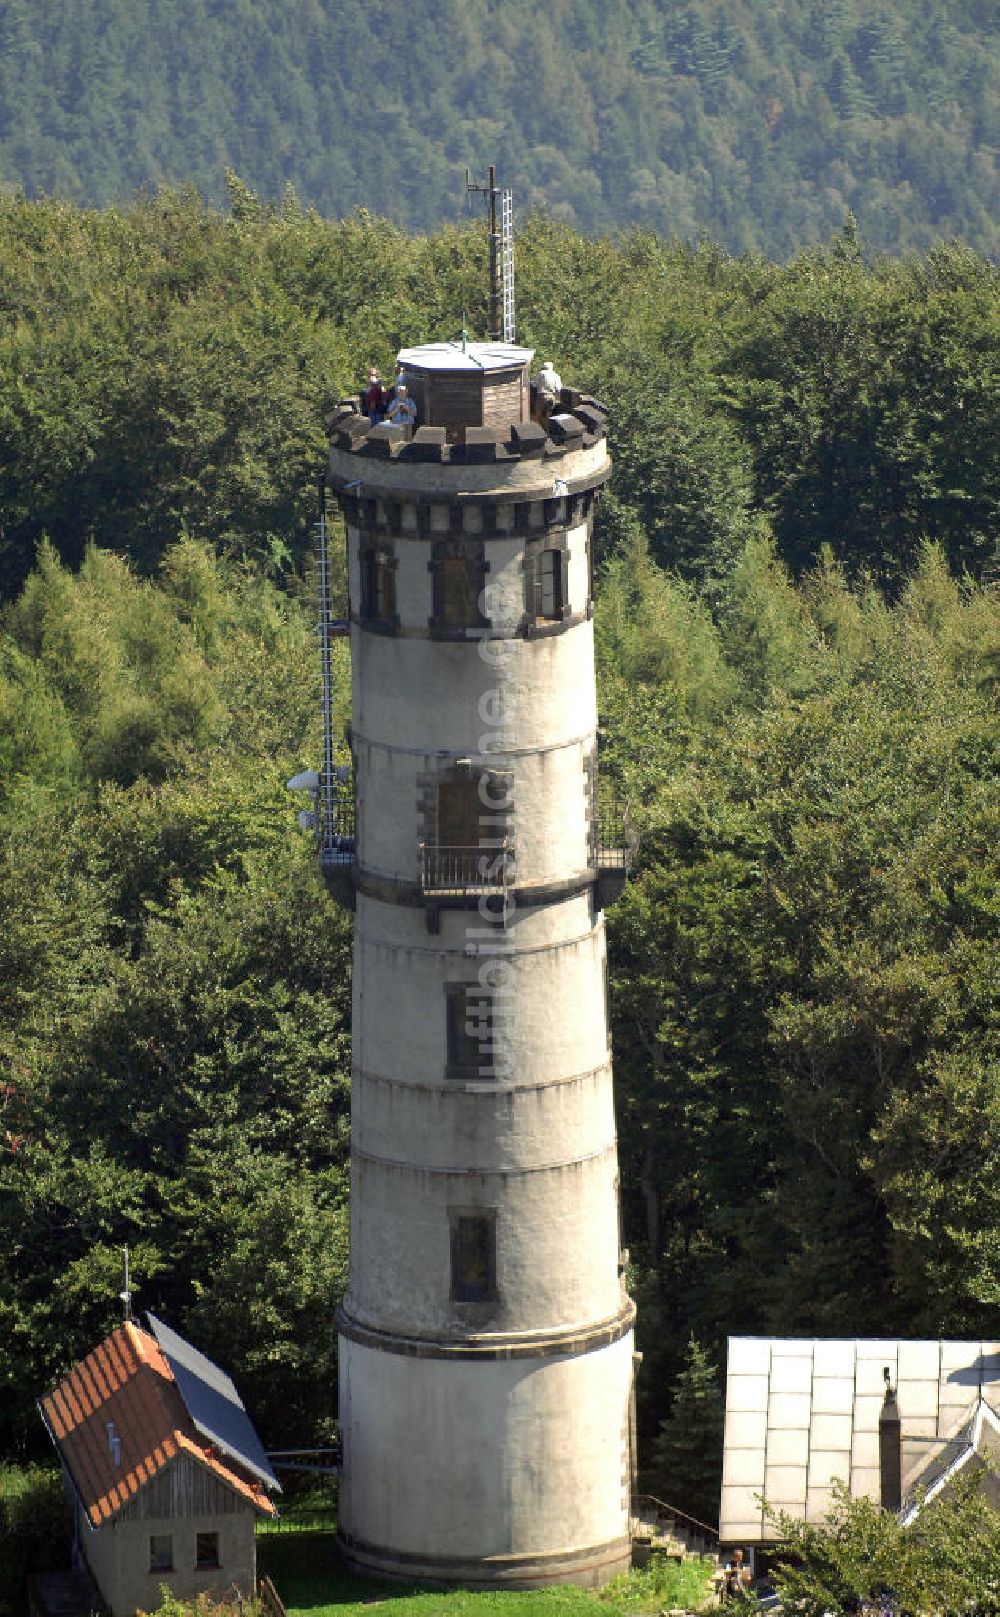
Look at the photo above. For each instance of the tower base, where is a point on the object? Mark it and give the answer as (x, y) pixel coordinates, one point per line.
(590, 1568)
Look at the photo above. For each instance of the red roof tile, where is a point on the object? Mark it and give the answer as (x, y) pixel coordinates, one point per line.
(127, 1381)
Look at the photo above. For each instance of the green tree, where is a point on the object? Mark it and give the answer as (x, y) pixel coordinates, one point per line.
(944, 1563)
(685, 1461)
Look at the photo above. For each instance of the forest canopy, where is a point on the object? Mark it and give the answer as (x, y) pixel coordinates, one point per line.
(798, 633)
(757, 123)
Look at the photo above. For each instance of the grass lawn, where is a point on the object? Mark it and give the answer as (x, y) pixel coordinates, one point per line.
(312, 1581)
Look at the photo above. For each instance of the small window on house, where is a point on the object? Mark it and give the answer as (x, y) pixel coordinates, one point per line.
(458, 584)
(470, 1031)
(378, 586)
(473, 1257)
(161, 1552)
(206, 1551)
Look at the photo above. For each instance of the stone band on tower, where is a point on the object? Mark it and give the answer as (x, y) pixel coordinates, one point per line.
(486, 1353)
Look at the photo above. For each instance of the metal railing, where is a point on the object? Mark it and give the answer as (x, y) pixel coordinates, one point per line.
(613, 839)
(336, 826)
(476, 869)
(305, 1519)
(670, 1514)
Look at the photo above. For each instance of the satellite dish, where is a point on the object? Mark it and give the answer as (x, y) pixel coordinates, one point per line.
(308, 781)
(307, 821)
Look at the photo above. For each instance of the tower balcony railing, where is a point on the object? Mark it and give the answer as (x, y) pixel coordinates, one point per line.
(447, 870)
(613, 844)
(336, 831)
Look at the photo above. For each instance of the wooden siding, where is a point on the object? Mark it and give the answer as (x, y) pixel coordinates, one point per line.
(454, 400)
(503, 398)
(469, 398)
(184, 1488)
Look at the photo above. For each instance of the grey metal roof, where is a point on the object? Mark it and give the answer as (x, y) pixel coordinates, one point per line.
(978, 1440)
(470, 356)
(213, 1403)
(803, 1412)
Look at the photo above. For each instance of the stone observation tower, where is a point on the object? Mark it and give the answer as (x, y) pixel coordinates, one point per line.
(486, 1351)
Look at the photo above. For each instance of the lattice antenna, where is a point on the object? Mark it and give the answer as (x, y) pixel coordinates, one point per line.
(501, 251)
(328, 776)
(507, 262)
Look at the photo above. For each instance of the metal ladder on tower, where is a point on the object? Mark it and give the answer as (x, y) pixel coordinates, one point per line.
(334, 819)
(507, 262)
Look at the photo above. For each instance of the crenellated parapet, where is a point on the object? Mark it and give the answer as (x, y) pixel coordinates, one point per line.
(579, 422)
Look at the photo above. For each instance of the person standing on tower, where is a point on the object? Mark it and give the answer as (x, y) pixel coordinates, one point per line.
(546, 387)
(402, 412)
(373, 398)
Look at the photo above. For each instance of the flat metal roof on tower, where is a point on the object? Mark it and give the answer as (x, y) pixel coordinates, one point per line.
(471, 356)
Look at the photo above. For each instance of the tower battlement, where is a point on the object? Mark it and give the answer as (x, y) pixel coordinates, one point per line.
(580, 422)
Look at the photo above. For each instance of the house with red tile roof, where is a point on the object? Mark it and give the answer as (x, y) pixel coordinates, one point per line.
(167, 1474)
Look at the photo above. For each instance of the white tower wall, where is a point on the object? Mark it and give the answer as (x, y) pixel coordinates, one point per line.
(534, 1452)
(484, 1398)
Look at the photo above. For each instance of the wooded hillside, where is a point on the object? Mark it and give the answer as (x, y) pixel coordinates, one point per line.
(799, 659)
(756, 122)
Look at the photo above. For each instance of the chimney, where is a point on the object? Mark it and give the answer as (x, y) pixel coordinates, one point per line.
(890, 1448)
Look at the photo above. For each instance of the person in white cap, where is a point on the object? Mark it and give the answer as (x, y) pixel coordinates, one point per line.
(402, 412)
(546, 389)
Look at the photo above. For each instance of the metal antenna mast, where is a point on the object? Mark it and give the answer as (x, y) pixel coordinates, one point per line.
(328, 778)
(501, 256)
(126, 1295)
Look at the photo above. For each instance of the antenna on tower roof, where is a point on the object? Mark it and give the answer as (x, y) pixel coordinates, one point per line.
(501, 255)
(126, 1295)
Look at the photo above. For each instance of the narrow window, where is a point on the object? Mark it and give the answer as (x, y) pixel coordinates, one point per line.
(458, 812)
(206, 1551)
(467, 843)
(161, 1552)
(551, 590)
(378, 586)
(473, 1257)
(471, 1030)
(458, 584)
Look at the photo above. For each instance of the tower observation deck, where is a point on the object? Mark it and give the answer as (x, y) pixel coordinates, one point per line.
(486, 1352)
